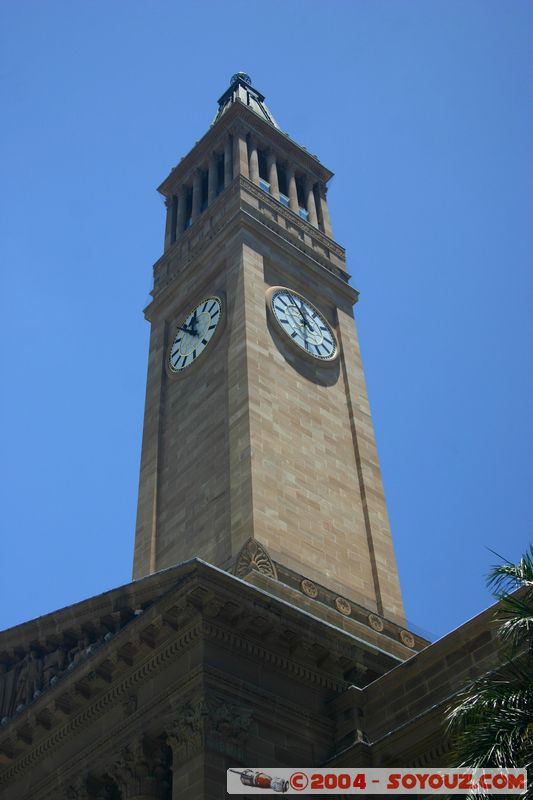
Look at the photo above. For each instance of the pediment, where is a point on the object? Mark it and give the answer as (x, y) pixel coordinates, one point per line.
(66, 684)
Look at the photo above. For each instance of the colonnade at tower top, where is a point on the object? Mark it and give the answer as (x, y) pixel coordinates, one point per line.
(246, 152)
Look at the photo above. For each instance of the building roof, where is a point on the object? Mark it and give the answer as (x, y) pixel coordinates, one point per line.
(241, 90)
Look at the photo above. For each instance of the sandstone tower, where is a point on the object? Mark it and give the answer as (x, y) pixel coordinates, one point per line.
(264, 626)
(260, 447)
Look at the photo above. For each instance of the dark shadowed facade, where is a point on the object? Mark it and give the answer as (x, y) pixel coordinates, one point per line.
(264, 624)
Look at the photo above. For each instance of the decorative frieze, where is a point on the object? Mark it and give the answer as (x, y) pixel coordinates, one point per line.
(27, 677)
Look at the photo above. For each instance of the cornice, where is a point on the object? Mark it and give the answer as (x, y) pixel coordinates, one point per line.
(161, 710)
(92, 711)
(134, 593)
(133, 724)
(212, 225)
(296, 221)
(321, 266)
(193, 243)
(224, 609)
(384, 641)
(296, 669)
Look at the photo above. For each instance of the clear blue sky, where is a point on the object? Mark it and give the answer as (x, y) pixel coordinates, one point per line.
(422, 109)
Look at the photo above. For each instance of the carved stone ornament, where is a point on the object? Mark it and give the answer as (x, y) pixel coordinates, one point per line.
(186, 734)
(221, 724)
(29, 680)
(142, 768)
(342, 605)
(42, 666)
(89, 787)
(407, 638)
(254, 556)
(375, 622)
(309, 588)
(76, 793)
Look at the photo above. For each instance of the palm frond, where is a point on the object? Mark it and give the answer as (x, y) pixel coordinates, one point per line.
(491, 722)
(506, 578)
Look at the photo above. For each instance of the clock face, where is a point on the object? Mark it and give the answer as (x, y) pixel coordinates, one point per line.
(194, 334)
(304, 324)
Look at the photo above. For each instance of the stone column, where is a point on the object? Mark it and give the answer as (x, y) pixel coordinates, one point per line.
(273, 174)
(228, 171)
(171, 204)
(311, 206)
(168, 224)
(212, 179)
(196, 194)
(293, 193)
(324, 211)
(240, 155)
(254, 162)
(182, 209)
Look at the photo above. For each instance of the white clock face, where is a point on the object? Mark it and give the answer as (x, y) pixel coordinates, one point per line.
(194, 334)
(304, 324)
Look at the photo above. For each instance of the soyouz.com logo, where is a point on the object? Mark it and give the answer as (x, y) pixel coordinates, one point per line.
(253, 780)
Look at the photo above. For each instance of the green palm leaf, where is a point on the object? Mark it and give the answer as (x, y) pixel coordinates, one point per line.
(491, 721)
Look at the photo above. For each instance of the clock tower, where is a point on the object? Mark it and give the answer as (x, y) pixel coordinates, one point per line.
(258, 451)
(267, 630)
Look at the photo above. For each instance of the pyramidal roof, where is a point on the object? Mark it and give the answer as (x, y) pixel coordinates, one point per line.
(241, 90)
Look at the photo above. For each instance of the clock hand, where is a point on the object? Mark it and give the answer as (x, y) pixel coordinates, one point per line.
(304, 316)
(294, 301)
(304, 330)
(193, 324)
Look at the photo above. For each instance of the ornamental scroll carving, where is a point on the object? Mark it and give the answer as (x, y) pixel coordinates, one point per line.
(254, 555)
(213, 723)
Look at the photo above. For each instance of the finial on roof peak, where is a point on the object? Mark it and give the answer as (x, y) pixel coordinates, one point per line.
(241, 76)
